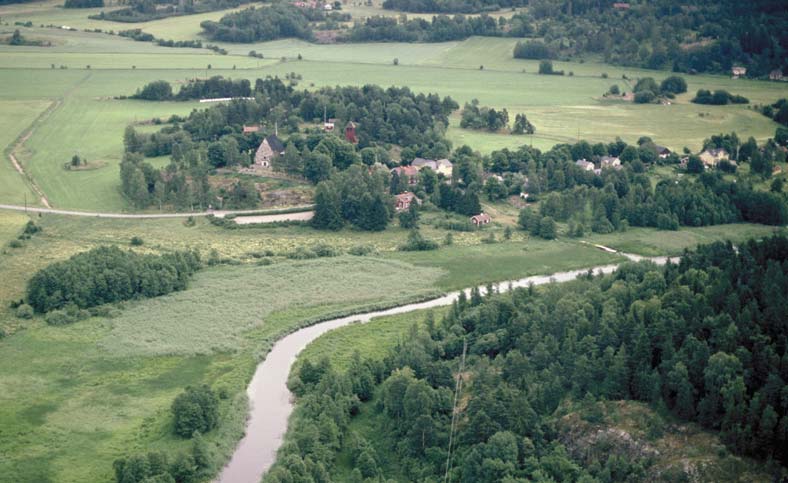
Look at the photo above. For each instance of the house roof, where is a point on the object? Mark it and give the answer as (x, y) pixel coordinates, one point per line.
(481, 218)
(406, 170)
(248, 129)
(406, 196)
(662, 149)
(275, 143)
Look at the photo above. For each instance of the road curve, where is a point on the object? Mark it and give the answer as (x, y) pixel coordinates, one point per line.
(271, 402)
(94, 214)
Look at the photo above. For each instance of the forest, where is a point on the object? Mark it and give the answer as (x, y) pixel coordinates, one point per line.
(451, 6)
(108, 274)
(281, 20)
(697, 36)
(703, 339)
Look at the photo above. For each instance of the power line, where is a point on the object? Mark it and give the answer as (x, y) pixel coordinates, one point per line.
(457, 389)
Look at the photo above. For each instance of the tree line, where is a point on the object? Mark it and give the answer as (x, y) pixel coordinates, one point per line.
(108, 274)
(448, 6)
(214, 87)
(704, 339)
(280, 20)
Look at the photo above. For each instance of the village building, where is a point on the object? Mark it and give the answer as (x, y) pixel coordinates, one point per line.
(251, 129)
(441, 166)
(328, 124)
(621, 6)
(776, 75)
(403, 201)
(663, 152)
(610, 162)
(585, 165)
(738, 71)
(350, 133)
(409, 173)
(270, 148)
(481, 219)
(711, 157)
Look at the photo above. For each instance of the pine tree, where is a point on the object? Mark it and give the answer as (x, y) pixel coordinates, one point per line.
(328, 213)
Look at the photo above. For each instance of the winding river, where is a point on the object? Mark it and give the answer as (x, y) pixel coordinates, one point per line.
(271, 402)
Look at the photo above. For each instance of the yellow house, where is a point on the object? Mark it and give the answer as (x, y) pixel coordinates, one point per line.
(711, 157)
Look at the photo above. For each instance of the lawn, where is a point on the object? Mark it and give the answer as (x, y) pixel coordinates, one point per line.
(475, 264)
(652, 242)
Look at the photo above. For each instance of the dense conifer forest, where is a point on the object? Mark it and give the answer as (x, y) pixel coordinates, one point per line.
(704, 338)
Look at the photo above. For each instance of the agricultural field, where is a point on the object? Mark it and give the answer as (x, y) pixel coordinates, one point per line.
(96, 67)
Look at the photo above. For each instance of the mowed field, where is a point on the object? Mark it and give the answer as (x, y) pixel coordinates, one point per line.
(97, 67)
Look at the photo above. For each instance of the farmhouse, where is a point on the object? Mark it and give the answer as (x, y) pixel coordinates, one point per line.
(268, 150)
(738, 71)
(404, 200)
(711, 157)
(441, 166)
(585, 165)
(481, 219)
(662, 152)
(776, 75)
(410, 173)
(610, 162)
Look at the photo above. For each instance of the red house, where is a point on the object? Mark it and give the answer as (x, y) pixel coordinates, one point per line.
(481, 219)
(404, 200)
(350, 132)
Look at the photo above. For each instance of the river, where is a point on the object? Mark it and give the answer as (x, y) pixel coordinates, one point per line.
(271, 402)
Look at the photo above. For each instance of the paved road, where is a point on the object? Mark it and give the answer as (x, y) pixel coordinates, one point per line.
(94, 214)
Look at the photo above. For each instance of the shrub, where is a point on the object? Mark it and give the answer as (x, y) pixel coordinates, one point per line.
(301, 253)
(16, 244)
(24, 311)
(535, 49)
(361, 250)
(59, 317)
(324, 250)
(195, 409)
(416, 242)
(136, 241)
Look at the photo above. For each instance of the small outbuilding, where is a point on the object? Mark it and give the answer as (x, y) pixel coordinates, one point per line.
(481, 219)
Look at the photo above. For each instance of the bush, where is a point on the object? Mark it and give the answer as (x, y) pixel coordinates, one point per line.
(195, 409)
(16, 244)
(324, 250)
(361, 250)
(416, 242)
(24, 311)
(59, 317)
(136, 241)
(534, 49)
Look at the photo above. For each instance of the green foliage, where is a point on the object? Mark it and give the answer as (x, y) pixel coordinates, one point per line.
(195, 410)
(109, 274)
(83, 4)
(475, 117)
(645, 342)
(417, 242)
(533, 49)
(718, 98)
